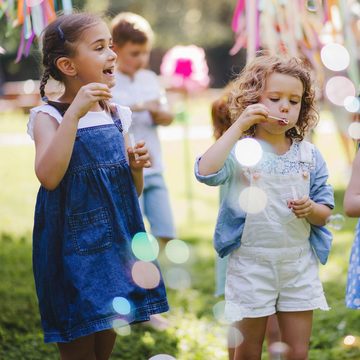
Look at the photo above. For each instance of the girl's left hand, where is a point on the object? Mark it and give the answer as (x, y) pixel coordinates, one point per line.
(139, 157)
(302, 208)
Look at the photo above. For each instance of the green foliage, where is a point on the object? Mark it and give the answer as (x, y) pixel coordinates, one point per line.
(194, 333)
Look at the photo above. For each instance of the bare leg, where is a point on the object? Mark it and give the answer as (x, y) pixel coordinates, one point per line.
(253, 331)
(79, 349)
(104, 344)
(295, 330)
(272, 330)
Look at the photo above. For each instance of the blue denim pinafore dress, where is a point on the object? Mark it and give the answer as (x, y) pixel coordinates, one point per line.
(82, 256)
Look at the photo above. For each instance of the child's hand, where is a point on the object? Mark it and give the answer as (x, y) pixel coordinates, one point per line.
(139, 157)
(252, 115)
(302, 208)
(87, 96)
(151, 106)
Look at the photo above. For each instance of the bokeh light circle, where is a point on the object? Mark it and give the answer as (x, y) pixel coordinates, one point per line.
(253, 200)
(121, 305)
(219, 312)
(352, 104)
(235, 337)
(278, 348)
(121, 327)
(338, 88)
(29, 86)
(177, 251)
(354, 130)
(248, 152)
(335, 57)
(145, 246)
(162, 357)
(349, 340)
(177, 278)
(145, 274)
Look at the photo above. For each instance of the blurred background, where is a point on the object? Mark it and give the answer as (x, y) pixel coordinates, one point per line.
(226, 34)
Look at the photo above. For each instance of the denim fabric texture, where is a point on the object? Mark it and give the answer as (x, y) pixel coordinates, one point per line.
(82, 256)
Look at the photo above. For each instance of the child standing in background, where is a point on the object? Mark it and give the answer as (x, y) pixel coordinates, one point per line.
(221, 121)
(87, 210)
(272, 266)
(139, 88)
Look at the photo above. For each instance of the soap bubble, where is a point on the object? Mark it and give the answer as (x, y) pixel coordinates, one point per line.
(335, 221)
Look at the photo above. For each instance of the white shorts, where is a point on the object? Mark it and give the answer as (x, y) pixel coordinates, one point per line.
(263, 281)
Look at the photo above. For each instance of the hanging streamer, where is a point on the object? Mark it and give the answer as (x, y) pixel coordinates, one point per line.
(297, 27)
(32, 16)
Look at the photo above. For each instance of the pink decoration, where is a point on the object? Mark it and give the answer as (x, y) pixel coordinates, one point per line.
(185, 68)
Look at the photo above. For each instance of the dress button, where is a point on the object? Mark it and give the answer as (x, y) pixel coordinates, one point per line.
(305, 174)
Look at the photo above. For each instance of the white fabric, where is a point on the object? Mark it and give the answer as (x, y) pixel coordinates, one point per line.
(275, 269)
(144, 86)
(92, 118)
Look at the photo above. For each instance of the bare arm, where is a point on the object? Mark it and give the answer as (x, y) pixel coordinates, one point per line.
(159, 115)
(352, 193)
(54, 143)
(142, 160)
(214, 158)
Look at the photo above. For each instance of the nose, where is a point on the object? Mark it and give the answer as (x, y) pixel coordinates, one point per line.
(284, 106)
(112, 54)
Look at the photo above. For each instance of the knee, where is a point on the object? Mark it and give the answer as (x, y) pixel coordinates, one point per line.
(299, 353)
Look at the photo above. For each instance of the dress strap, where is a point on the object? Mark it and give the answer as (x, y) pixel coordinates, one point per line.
(60, 107)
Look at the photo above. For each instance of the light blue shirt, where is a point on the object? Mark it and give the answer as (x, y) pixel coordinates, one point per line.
(231, 219)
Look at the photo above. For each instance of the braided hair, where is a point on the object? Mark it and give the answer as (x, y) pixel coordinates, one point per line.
(60, 39)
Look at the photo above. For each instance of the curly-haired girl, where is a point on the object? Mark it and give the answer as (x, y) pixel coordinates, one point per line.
(274, 240)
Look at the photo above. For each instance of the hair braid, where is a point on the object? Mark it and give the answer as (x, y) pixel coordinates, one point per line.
(44, 80)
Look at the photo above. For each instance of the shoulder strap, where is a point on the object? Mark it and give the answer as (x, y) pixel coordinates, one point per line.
(306, 152)
(60, 107)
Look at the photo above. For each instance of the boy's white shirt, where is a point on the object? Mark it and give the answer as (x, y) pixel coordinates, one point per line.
(144, 86)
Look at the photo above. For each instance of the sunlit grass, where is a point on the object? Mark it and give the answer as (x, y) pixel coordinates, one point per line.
(194, 334)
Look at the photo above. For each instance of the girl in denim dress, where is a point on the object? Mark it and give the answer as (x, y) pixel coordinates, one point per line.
(87, 277)
(272, 215)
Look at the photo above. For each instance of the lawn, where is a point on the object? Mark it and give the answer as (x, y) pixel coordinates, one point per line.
(194, 333)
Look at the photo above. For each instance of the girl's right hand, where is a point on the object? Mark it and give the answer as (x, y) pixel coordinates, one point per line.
(253, 114)
(87, 96)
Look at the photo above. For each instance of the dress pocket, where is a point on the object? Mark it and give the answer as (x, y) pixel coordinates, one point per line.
(91, 231)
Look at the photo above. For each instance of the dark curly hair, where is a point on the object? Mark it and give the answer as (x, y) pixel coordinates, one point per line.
(250, 84)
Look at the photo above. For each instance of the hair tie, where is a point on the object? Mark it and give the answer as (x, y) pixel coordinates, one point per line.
(61, 33)
(45, 99)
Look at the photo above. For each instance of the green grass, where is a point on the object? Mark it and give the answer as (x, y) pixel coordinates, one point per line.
(194, 334)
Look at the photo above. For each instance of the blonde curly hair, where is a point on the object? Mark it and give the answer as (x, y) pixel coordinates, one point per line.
(250, 84)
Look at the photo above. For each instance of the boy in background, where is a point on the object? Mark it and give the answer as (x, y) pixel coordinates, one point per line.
(139, 88)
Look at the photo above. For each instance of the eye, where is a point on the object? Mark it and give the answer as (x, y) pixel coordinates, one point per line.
(274, 99)
(99, 48)
(294, 102)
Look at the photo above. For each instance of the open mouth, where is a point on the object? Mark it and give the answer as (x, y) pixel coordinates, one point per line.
(109, 71)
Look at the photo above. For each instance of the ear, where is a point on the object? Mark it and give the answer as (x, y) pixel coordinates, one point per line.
(66, 66)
